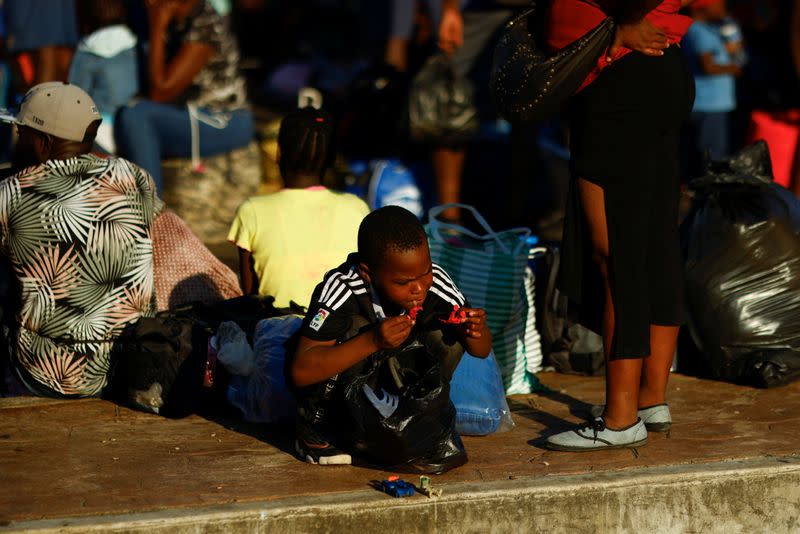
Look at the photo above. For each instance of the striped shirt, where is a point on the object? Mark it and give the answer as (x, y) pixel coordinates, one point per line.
(343, 294)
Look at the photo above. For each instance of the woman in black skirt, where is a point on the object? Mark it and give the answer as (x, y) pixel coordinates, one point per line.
(621, 252)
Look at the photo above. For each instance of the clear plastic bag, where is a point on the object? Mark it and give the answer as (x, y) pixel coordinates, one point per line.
(476, 390)
(264, 396)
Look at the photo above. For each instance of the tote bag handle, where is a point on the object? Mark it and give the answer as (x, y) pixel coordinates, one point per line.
(436, 225)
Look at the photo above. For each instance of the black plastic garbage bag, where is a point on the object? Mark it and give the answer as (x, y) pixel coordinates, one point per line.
(741, 241)
(419, 435)
(441, 106)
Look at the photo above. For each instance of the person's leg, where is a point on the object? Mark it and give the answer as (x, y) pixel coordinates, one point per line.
(665, 265)
(149, 131)
(239, 131)
(315, 426)
(622, 375)
(146, 130)
(45, 65)
(448, 164)
(63, 58)
(655, 368)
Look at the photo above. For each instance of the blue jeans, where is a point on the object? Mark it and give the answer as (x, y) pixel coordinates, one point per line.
(111, 81)
(148, 132)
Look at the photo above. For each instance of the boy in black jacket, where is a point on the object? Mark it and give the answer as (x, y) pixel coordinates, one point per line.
(371, 303)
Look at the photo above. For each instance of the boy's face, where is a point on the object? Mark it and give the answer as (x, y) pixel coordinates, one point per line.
(404, 278)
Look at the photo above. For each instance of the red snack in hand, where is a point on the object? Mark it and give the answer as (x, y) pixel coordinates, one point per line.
(457, 316)
(414, 311)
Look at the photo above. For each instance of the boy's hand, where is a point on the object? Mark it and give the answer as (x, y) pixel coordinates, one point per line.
(475, 324)
(392, 332)
(641, 36)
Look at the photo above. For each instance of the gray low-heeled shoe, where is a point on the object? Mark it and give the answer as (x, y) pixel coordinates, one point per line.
(656, 418)
(594, 436)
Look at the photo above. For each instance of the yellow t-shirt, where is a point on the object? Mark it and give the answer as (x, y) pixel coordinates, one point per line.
(295, 237)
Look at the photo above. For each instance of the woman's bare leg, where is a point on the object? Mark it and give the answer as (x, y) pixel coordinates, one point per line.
(623, 376)
(655, 369)
(448, 165)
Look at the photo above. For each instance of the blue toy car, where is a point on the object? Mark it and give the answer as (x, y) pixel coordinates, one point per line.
(398, 488)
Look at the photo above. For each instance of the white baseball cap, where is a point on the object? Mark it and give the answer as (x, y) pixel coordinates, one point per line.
(59, 109)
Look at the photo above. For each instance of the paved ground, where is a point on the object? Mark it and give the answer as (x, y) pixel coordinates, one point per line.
(90, 457)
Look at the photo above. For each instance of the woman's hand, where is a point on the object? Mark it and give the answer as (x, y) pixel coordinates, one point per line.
(451, 30)
(641, 36)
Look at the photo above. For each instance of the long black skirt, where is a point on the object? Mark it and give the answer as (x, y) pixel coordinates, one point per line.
(624, 130)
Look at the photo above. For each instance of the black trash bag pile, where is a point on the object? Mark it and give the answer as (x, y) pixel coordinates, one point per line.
(420, 435)
(741, 243)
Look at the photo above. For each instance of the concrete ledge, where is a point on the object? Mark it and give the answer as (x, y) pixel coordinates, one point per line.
(757, 495)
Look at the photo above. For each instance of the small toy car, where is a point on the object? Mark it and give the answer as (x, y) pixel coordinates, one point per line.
(397, 487)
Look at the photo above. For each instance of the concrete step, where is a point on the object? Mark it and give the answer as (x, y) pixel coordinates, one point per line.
(731, 463)
(758, 495)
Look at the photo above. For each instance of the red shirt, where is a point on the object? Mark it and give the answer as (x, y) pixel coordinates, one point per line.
(569, 20)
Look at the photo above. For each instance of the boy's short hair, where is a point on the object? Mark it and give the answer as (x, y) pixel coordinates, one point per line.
(388, 228)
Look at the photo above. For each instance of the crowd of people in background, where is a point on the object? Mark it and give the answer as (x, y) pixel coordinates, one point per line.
(152, 66)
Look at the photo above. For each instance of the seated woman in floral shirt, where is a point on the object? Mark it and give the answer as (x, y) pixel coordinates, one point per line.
(197, 103)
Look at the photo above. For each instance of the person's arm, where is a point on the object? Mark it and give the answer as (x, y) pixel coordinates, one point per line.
(169, 81)
(475, 333)
(711, 67)
(451, 27)
(247, 272)
(402, 23)
(316, 361)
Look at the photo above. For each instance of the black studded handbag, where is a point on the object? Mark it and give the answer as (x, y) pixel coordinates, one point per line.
(528, 82)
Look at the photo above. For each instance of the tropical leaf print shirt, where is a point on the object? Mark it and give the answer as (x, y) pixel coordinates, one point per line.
(78, 234)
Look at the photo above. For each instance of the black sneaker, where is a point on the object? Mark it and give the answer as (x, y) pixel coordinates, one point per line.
(449, 454)
(434, 466)
(315, 450)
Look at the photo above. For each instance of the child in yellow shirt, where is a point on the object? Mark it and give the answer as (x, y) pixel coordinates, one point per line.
(288, 240)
